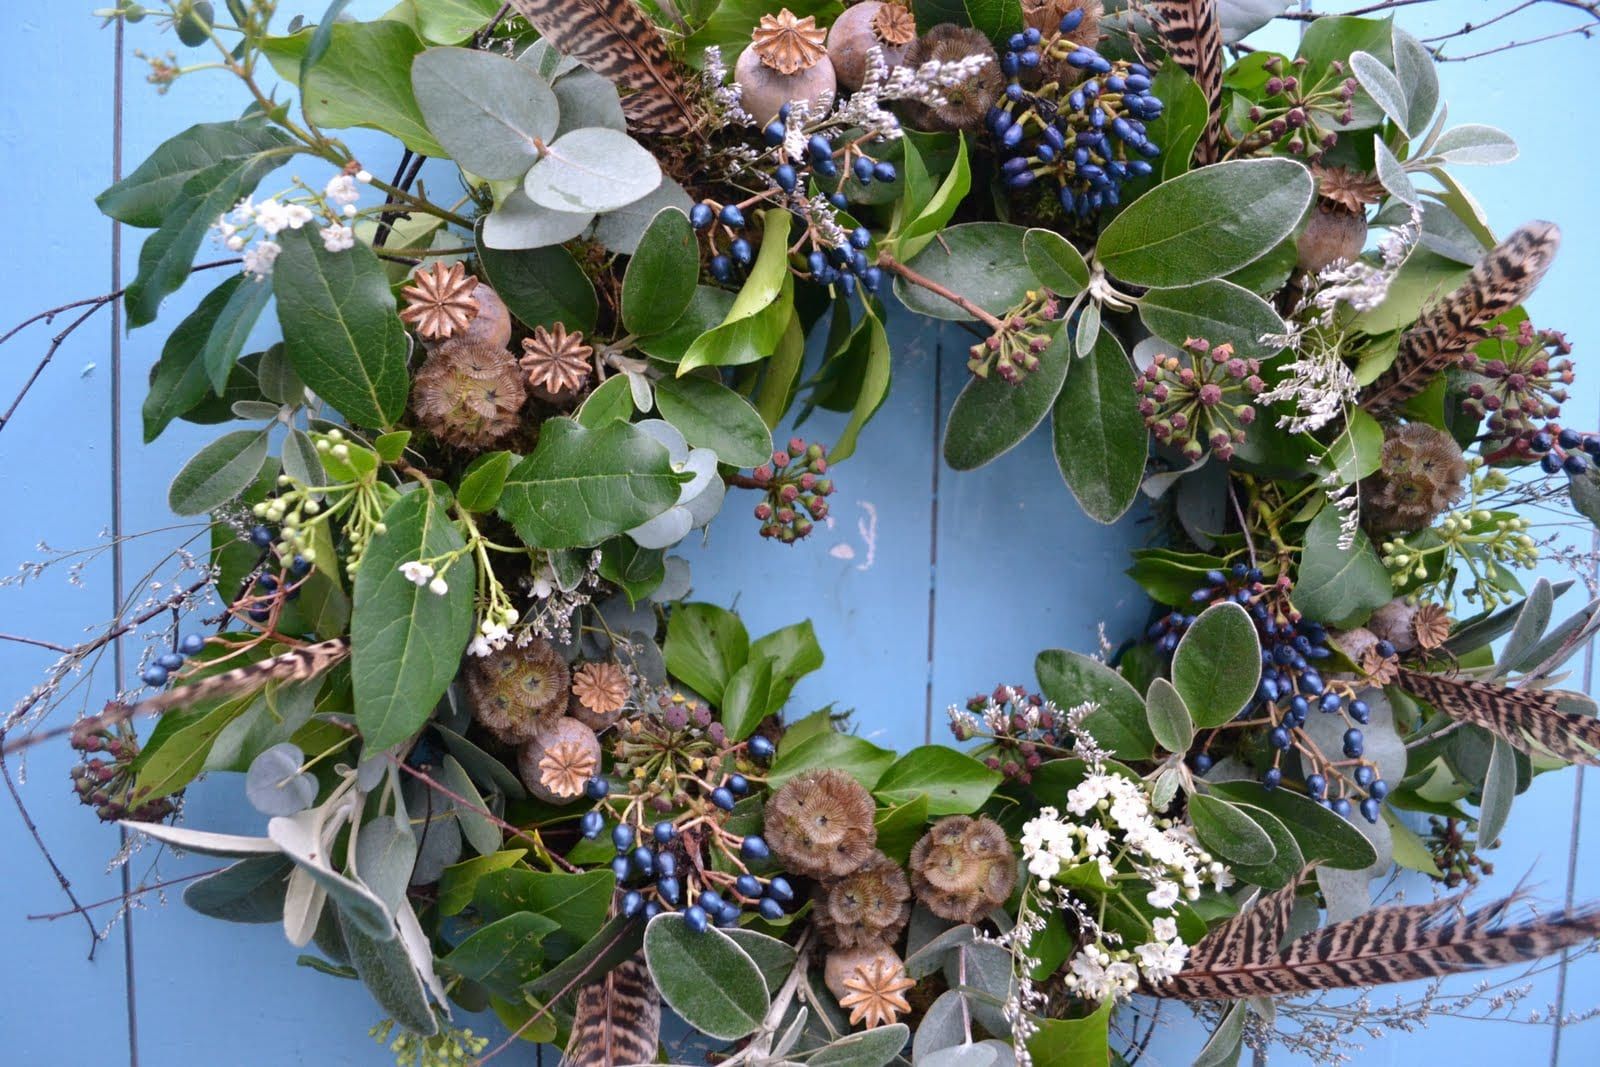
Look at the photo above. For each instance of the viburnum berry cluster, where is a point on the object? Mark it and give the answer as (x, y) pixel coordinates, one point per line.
(105, 780)
(1012, 349)
(1521, 385)
(1302, 119)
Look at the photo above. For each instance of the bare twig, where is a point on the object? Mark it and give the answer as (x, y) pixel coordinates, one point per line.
(123, 898)
(38, 839)
(889, 263)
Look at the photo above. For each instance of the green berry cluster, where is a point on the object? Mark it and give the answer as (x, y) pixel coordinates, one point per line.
(797, 488)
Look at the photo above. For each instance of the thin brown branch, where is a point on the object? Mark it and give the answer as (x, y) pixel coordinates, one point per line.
(1580, 31)
(44, 850)
(123, 898)
(516, 831)
(51, 645)
(889, 263)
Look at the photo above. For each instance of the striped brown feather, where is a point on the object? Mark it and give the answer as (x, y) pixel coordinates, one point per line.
(1528, 718)
(1241, 958)
(618, 1020)
(1505, 277)
(614, 38)
(1192, 34)
(296, 665)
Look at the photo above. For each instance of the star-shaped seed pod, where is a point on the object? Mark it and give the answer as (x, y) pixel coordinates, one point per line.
(555, 361)
(875, 994)
(556, 765)
(788, 44)
(600, 692)
(440, 301)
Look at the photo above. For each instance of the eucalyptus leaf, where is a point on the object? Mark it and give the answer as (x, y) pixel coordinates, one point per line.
(275, 784)
(1499, 789)
(593, 169)
(518, 223)
(490, 113)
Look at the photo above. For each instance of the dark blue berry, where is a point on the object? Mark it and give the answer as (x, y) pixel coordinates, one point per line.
(1575, 463)
(1201, 763)
(1385, 649)
(884, 172)
(838, 200)
(771, 910)
(760, 748)
(722, 798)
(1569, 439)
(700, 216)
(774, 133)
(261, 537)
(1365, 776)
(1379, 788)
(860, 237)
(651, 910)
(748, 886)
(170, 660)
(1279, 738)
(1539, 442)
(591, 824)
(154, 675)
(754, 848)
(696, 919)
(721, 268)
(622, 837)
(780, 890)
(1330, 702)
(1341, 807)
(666, 863)
(863, 170)
(828, 168)
(644, 861)
(1369, 809)
(619, 867)
(1070, 20)
(1316, 785)
(819, 148)
(785, 177)
(729, 915)
(730, 215)
(596, 788)
(710, 900)
(191, 644)
(740, 250)
(1272, 778)
(632, 903)
(668, 887)
(1354, 743)
(664, 832)
(1550, 462)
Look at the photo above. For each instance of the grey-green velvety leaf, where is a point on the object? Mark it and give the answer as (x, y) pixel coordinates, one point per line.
(1340, 587)
(481, 833)
(1473, 144)
(1499, 789)
(540, 286)
(1392, 173)
(1098, 435)
(518, 223)
(489, 112)
(1223, 1045)
(1120, 725)
(386, 971)
(705, 977)
(580, 486)
(1229, 832)
(386, 851)
(982, 261)
(1218, 310)
(662, 274)
(1418, 76)
(1382, 85)
(1321, 834)
(992, 416)
(406, 641)
(1206, 223)
(774, 957)
(710, 415)
(340, 330)
(1087, 332)
(594, 169)
(587, 99)
(218, 472)
(868, 1048)
(1217, 664)
(1058, 265)
(1170, 721)
(1531, 624)
(250, 891)
(143, 197)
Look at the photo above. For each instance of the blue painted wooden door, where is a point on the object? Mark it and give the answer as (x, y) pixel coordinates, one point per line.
(926, 585)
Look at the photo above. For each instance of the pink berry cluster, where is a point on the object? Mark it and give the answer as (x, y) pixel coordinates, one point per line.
(796, 490)
(105, 779)
(1521, 383)
(1012, 351)
(1199, 400)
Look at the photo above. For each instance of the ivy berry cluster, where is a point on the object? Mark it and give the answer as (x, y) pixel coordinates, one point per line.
(796, 487)
(1203, 399)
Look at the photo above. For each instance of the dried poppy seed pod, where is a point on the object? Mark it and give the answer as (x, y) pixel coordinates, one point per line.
(599, 693)
(963, 867)
(1338, 228)
(518, 692)
(1420, 475)
(556, 764)
(1395, 623)
(784, 62)
(468, 395)
(869, 905)
(870, 24)
(869, 982)
(820, 824)
(965, 105)
(492, 324)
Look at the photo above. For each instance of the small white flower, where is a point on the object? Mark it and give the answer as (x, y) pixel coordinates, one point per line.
(350, 211)
(364, 176)
(1160, 960)
(438, 587)
(337, 238)
(259, 258)
(1165, 928)
(342, 189)
(235, 243)
(1164, 895)
(297, 215)
(479, 647)
(416, 572)
(272, 216)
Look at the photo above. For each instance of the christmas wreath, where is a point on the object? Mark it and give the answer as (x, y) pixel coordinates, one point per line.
(502, 764)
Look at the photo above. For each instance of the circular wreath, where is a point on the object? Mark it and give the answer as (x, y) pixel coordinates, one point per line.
(503, 764)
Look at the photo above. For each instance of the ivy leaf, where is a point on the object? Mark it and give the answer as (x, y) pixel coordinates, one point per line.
(1120, 725)
(992, 416)
(1217, 664)
(612, 401)
(581, 486)
(340, 330)
(953, 782)
(489, 112)
(594, 169)
(1070, 1042)
(218, 472)
(661, 276)
(540, 286)
(577, 903)
(1206, 223)
(705, 645)
(935, 214)
(710, 415)
(143, 197)
(794, 653)
(705, 977)
(745, 698)
(406, 641)
(1340, 587)
(1099, 436)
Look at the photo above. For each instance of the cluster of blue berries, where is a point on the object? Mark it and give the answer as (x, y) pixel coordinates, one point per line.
(1291, 685)
(1568, 451)
(163, 664)
(738, 255)
(1087, 139)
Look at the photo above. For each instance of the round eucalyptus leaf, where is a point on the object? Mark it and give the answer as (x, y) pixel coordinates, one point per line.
(490, 113)
(594, 169)
(665, 530)
(275, 784)
(519, 223)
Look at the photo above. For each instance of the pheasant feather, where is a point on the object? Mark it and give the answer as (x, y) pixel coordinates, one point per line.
(618, 1020)
(1502, 279)
(1242, 958)
(296, 665)
(1193, 36)
(614, 38)
(1528, 718)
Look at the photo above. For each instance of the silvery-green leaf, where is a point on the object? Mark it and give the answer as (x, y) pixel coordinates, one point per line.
(479, 830)
(1532, 621)
(550, 64)
(675, 586)
(1383, 747)
(1473, 144)
(277, 379)
(386, 850)
(301, 838)
(639, 388)
(665, 530)
(1224, 1043)
(1156, 486)
(645, 658)
(518, 223)
(489, 112)
(1392, 173)
(594, 169)
(438, 846)
(669, 436)
(1346, 893)
(1381, 84)
(1418, 76)
(275, 784)
(702, 464)
(420, 952)
(1166, 788)
(302, 907)
(1499, 789)
(587, 99)
(943, 1027)
(1241, 18)
(1145, 352)
(982, 1054)
(300, 460)
(619, 231)
(1444, 233)
(253, 410)
(202, 841)
(707, 503)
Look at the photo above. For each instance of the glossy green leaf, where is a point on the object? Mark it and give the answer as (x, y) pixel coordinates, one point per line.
(992, 416)
(794, 653)
(935, 214)
(179, 380)
(745, 698)
(1073, 1042)
(232, 328)
(953, 782)
(1098, 434)
(505, 955)
(577, 903)
(218, 472)
(1229, 832)
(340, 330)
(1340, 587)
(1170, 721)
(869, 348)
(581, 486)
(460, 880)
(451, 21)
(488, 111)
(176, 751)
(710, 415)
(1358, 450)
(143, 197)
(1206, 223)
(981, 261)
(484, 480)
(541, 286)
(1058, 265)
(250, 891)
(901, 827)
(594, 169)
(406, 641)
(705, 645)
(1217, 664)
(1219, 311)
(611, 402)
(662, 274)
(1120, 725)
(856, 756)
(705, 977)
(760, 313)
(706, 311)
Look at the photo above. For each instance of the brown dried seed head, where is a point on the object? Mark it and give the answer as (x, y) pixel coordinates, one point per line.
(965, 105)
(518, 692)
(788, 44)
(820, 824)
(963, 867)
(894, 25)
(555, 361)
(1347, 189)
(599, 693)
(468, 395)
(1431, 626)
(556, 764)
(439, 300)
(875, 994)
(1420, 475)
(1379, 669)
(565, 768)
(870, 904)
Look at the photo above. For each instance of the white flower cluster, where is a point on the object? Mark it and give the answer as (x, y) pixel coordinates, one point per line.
(494, 630)
(422, 574)
(250, 227)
